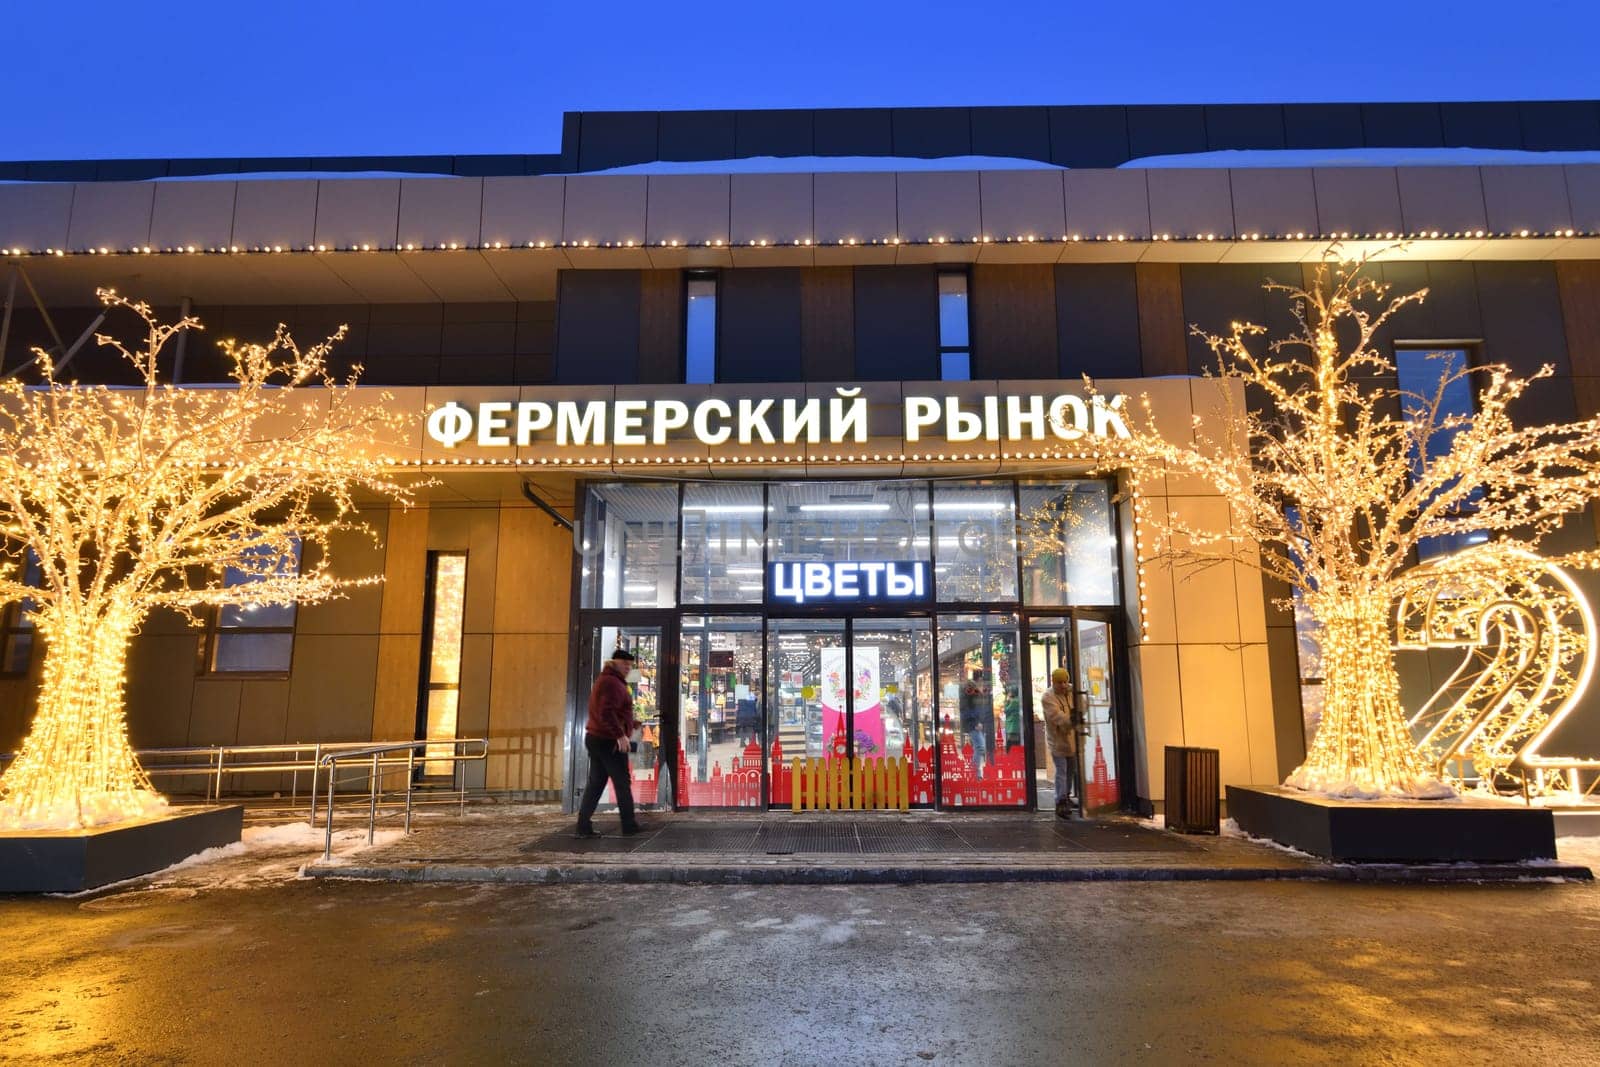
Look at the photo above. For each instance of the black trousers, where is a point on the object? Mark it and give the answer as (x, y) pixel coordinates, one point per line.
(606, 764)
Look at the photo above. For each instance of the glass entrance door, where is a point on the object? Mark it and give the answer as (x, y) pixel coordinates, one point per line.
(719, 712)
(892, 698)
(805, 696)
(1083, 643)
(655, 700)
(1094, 680)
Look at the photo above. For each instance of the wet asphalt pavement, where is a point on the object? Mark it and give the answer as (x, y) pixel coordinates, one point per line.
(264, 972)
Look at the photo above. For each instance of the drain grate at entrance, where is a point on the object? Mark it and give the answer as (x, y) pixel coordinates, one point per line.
(880, 838)
(691, 838)
(827, 838)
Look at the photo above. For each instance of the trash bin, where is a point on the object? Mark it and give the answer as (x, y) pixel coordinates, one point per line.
(1194, 803)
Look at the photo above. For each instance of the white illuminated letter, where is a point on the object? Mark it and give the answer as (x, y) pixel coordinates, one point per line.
(573, 428)
(703, 412)
(872, 570)
(532, 416)
(786, 582)
(1069, 415)
(816, 580)
(852, 421)
(493, 421)
(921, 412)
(802, 419)
(1108, 416)
(897, 584)
(753, 422)
(1017, 419)
(450, 424)
(960, 425)
(669, 415)
(844, 579)
(628, 427)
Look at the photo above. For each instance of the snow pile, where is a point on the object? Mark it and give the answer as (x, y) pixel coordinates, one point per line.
(1580, 850)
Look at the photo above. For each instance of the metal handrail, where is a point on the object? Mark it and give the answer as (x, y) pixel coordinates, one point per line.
(478, 749)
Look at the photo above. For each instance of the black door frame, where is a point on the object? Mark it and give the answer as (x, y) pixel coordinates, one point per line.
(1121, 709)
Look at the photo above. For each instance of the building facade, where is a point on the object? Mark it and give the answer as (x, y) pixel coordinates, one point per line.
(807, 440)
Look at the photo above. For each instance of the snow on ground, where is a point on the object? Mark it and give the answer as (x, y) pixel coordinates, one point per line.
(264, 855)
(1584, 850)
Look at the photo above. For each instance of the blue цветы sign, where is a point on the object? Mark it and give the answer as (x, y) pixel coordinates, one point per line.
(849, 582)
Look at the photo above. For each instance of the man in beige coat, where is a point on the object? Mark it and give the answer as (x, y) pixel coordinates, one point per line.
(1062, 730)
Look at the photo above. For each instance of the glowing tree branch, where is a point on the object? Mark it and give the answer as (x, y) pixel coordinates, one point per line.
(1334, 476)
(133, 499)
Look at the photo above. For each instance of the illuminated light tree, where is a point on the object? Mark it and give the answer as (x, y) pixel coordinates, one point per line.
(129, 500)
(1334, 477)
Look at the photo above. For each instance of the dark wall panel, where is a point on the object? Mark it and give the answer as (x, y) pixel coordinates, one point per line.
(1522, 328)
(597, 327)
(1013, 321)
(758, 326)
(1162, 348)
(827, 324)
(661, 326)
(1097, 320)
(897, 323)
(1218, 294)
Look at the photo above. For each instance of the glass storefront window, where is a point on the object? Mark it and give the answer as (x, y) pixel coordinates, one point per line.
(800, 707)
(975, 527)
(628, 545)
(848, 520)
(981, 753)
(720, 712)
(723, 527)
(893, 697)
(1068, 543)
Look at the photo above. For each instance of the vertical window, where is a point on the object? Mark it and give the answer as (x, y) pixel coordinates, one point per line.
(955, 351)
(629, 546)
(1429, 377)
(16, 637)
(255, 638)
(700, 329)
(445, 612)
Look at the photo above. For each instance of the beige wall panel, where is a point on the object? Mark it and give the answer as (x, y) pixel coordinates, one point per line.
(474, 530)
(1106, 203)
(394, 702)
(1532, 198)
(1252, 603)
(1206, 597)
(161, 683)
(440, 211)
(360, 610)
(1447, 199)
(527, 712)
(264, 712)
(405, 567)
(522, 211)
(687, 208)
(1190, 203)
(1162, 711)
(1257, 676)
(935, 204)
(1358, 200)
(775, 208)
(358, 212)
(275, 213)
(1583, 195)
(858, 207)
(331, 690)
(1273, 201)
(111, 215)
(533, 574)
(214, 713)
(472, 712)
(1021, 204)
(1161, 613)
(35, 217)
(605, 208)
(1212, 683)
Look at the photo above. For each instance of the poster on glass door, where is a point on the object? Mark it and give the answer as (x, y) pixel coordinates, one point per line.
(868, 702)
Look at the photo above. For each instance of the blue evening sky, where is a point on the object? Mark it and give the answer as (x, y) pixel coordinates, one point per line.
(348, 77)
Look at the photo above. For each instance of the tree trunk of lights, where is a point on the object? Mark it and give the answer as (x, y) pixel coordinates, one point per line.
(1363, 746)
(76, 767)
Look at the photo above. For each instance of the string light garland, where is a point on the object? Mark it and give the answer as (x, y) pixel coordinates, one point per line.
(130, 500)
(1333, 477)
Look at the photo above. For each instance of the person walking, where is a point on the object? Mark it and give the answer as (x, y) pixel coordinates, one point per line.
(1062, 729)
(605, 738)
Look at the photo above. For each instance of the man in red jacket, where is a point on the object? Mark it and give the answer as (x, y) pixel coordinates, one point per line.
(605, 737)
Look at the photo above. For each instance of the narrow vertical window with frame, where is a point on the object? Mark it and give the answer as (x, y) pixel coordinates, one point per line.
(955, 328)
(17, 636)
(1435, 380)
(444, 617)
(254, 638)
(700, 328)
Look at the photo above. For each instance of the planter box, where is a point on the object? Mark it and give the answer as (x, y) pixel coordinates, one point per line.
(68, 861)
(1394, 831)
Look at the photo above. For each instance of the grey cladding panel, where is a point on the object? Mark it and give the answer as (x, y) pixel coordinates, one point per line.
(1322, 126)
(852, 132)
(772, 133)
(1164, 131)
(1015, 132)
(1241, 126)
(1089, 136)
(897, 323)
(597, 327)
(758, 327)
(689, 135)
(1097, 320)
(932, 132)
(617, 139)
(1522, 327)
(1401, 125)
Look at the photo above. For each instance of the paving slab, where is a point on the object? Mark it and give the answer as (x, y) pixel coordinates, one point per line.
(777, 848)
